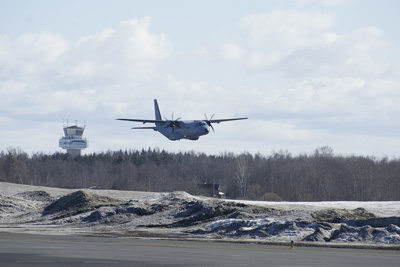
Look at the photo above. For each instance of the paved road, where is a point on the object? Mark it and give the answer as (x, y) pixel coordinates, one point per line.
(44, 250)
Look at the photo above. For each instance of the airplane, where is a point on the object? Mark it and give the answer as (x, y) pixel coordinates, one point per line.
(178, 129)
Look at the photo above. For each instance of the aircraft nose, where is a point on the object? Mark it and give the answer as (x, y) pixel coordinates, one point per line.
(206, 130)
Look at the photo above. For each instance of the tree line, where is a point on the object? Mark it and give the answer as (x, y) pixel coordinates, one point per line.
(317, 176)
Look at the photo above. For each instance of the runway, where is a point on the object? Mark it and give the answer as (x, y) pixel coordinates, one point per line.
(46, 250)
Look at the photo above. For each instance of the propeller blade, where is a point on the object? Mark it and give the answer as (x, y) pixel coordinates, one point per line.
(208, 121)
(172, 123)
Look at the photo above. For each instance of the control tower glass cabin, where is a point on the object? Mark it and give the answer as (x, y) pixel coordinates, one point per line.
(73, 141)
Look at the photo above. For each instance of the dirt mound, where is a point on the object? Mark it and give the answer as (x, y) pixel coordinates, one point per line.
(35, 195)
(197, 212)
(322, 232)
(341, 215)
(124, 212)
(78, 202)
(178, 196)
(375, 222)
(367, 233)
(356, 225)
(191, 213)
(9, 204)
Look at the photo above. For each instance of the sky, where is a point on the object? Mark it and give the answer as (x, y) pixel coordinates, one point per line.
(307, 74)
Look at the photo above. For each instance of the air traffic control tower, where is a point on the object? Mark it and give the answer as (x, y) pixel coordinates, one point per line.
(73, 141)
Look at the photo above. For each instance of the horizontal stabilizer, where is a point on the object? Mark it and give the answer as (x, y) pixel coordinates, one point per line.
(144, 121)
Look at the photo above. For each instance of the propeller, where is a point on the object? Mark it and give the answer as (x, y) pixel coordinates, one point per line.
(173, 123)
(208, 121)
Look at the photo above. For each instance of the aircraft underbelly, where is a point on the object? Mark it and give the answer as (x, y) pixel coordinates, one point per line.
(182, 133)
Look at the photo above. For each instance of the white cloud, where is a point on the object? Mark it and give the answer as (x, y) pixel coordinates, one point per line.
(274, 131)
(84, 69)
(97, 37)
(360, 52)
(131, 41)
(327, 3)
(259, 61)
(127, 52)
(44, 46)
(49, 75)
(289, 41)
(232, 52)
(289, 27)
(5, 49)
(30, 55)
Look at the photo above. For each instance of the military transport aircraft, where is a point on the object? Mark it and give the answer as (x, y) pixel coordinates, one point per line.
(177, 129)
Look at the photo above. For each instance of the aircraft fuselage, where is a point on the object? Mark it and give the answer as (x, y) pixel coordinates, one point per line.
(191, 130)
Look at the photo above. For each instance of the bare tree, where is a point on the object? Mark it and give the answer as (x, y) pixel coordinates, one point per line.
(241, 173)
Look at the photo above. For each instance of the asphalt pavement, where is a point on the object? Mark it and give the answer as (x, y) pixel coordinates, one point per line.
(60, 250)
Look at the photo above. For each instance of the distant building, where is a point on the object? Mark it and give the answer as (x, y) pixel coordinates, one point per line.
(73, 141)
(209, 190)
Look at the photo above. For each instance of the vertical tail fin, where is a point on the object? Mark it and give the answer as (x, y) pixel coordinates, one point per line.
(157, 110)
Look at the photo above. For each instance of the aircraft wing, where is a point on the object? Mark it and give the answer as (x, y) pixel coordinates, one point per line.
(222, 120)
(143, 121)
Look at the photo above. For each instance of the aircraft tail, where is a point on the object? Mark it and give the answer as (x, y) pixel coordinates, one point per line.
(157, 110)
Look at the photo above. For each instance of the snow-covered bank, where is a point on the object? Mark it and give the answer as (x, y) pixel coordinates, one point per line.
(179, 215)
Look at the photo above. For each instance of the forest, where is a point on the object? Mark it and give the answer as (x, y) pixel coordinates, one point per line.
(279, 176)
